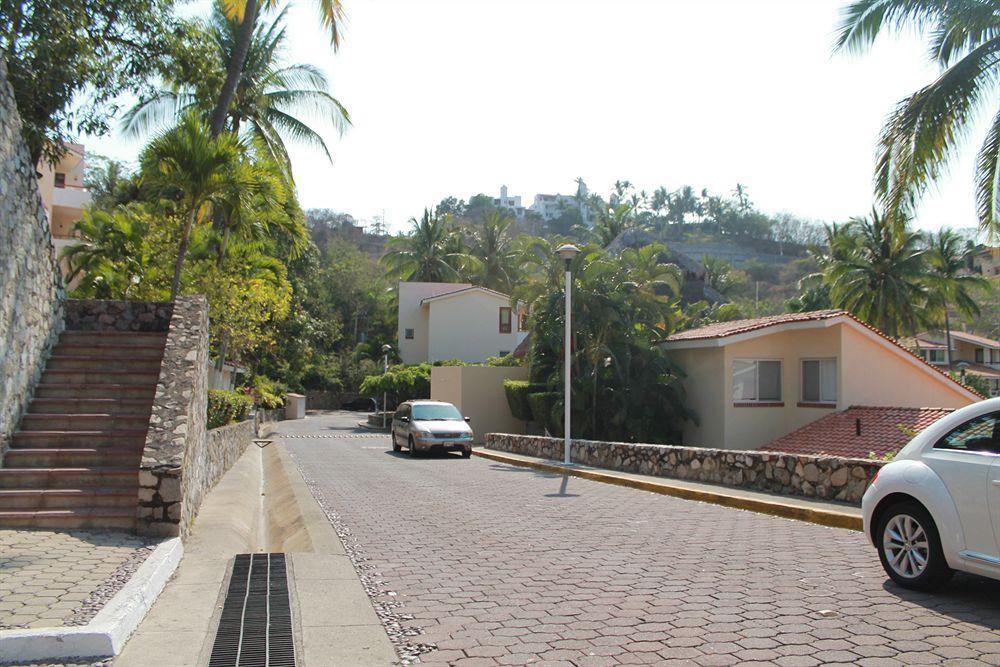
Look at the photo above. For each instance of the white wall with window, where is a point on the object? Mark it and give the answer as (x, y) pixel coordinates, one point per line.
(819, 381)
(757, 381)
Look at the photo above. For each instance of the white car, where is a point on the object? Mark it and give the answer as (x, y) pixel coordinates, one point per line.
(936, 507)
(423, 426)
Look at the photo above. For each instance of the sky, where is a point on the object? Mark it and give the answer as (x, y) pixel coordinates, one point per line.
(457, 97)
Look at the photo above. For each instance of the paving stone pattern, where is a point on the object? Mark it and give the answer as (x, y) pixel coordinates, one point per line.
(53, 578)
(500, 565)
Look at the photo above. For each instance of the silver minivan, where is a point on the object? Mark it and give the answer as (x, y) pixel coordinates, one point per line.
(422, 426)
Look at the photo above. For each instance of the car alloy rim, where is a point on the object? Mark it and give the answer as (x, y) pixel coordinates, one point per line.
(906, 547)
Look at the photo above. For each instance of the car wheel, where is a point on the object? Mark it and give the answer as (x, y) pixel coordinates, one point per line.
(413, 447)
(466, 453)
(395, 443)
(910, 548)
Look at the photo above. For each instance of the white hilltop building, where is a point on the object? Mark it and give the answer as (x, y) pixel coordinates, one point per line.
(547, 206)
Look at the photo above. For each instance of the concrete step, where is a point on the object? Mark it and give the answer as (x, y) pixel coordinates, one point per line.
(101, 390)
(112, 338)
(54, 519)
(72, 457)
(67, 478)
(34, 421)
(82, 362)
(100, 377)
(109, 350)
(69, 439)
(94, 496)
(91, 406)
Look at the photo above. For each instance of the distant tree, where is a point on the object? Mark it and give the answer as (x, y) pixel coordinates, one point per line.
(497, 253)
(925, 129)
(949, 284)
(109, 182)
(720, 275)
(450, 206)
(432, 252)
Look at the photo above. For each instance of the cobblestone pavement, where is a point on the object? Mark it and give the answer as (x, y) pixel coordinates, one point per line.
(52, 578)
(504, 565)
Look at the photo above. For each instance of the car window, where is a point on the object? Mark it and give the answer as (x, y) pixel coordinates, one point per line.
(403, 411)
(981, 434)
(435, 412)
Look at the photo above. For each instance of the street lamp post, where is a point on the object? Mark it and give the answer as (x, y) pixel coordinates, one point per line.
(386, 349)
(567, 252)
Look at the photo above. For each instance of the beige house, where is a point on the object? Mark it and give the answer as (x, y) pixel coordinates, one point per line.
(971, 354)
(64, 196)
(753, 381)
(440, 321)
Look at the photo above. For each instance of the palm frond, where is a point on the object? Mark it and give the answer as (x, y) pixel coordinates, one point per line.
(988, 183)
(864, 20)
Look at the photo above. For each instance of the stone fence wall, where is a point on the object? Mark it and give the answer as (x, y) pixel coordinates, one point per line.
(31, 284)
(105, 315)
(825, 477)
(175, 470)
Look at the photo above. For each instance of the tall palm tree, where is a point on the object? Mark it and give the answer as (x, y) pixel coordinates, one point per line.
(950, 286)
(430, 253)
(245, 14)
(269, 98)
(497, 252)
(196, 171)
(924, 129)
(877, 275)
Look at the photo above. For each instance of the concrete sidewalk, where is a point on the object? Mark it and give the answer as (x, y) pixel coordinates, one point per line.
(837, 515)
(262, 504)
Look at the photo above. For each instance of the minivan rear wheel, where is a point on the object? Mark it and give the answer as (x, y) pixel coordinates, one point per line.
(910, 548)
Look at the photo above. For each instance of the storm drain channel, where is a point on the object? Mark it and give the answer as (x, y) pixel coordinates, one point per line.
(255, 628)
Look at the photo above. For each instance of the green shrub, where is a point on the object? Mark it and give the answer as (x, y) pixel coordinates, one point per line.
(544, 410)
(226, 407)
(268, 394)
(508, 360)
(401, 383)
(517, 392)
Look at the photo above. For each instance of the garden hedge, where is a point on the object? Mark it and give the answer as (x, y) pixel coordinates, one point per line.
(226, 407)
(544, 409)
(517, 392)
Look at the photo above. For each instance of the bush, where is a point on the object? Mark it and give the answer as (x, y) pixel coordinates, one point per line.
(268, 394)
(544, 406)
(517, 392)
(226, 407)
(506, 360)
(401, 383)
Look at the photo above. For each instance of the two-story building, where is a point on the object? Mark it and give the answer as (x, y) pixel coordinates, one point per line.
(970, 354)
(753, 381)
(441, 321)
(64, 195)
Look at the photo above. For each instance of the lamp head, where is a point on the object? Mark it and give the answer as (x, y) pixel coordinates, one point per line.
(567, 251)
(386, 349)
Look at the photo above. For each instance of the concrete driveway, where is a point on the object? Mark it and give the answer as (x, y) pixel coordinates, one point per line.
(472, 562)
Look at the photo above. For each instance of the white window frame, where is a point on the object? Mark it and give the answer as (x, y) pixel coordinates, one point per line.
(932, 353)
(757, 360)
(802, 381)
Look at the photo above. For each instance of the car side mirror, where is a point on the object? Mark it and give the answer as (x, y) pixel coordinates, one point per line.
(404, 419)
(468, 420)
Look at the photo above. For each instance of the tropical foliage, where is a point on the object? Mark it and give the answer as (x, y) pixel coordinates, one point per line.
(924, 130)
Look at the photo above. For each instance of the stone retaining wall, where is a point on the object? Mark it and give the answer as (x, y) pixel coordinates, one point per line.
(31, 283)
(176, 464)
(824, 477)
(106, 315)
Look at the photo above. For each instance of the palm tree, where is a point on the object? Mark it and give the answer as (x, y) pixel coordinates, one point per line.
(196, 171)
(430, 253)
(924, 129)
(877, 273)
(109, 262)
(268, 98)
(950, 285)
(245, 14)
(498, 254)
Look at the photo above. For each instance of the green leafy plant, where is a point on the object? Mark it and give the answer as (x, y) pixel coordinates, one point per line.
(508, 360)
(269, 394)
(226, 407)
(517, 392)
(401, 383)
(544, 411)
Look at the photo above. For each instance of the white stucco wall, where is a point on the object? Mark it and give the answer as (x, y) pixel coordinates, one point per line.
(413, 316)
(467, 327)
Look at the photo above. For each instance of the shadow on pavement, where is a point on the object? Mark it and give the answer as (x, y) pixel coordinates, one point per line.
(453, 456)
(562, 490)
(956, 598)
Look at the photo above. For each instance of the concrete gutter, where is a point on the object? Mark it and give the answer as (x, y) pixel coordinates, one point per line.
(801, 509)
(106, 633)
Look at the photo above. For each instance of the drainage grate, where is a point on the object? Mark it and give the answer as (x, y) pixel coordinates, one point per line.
(255, 629)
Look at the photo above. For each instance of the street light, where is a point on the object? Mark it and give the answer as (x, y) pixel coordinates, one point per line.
(386, 349)
(567, 251)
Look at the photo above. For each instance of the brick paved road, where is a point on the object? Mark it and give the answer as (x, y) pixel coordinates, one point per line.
(503, 565)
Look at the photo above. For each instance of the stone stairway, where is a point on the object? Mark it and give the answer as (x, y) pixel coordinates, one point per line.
(74, 463)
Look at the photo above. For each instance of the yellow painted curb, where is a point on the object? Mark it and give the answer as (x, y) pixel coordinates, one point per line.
(823, 517)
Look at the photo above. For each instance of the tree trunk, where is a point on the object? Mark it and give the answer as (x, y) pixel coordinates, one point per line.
(175, 286)
(947, 338)
(235, 68)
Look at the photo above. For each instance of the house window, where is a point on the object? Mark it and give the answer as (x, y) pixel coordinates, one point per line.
(505, 318)
(935, 356)
(522, 320)
(819, 381)
(60, 180)
(979, 355)
(408, 334)
(756, 381)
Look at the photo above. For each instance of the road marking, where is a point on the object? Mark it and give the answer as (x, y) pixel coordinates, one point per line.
(331, 435)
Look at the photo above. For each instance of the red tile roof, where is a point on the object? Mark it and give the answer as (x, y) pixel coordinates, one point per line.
(722, 329)
(836, 434)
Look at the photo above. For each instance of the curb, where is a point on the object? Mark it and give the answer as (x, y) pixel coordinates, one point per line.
(106, 633)
(823, 517)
